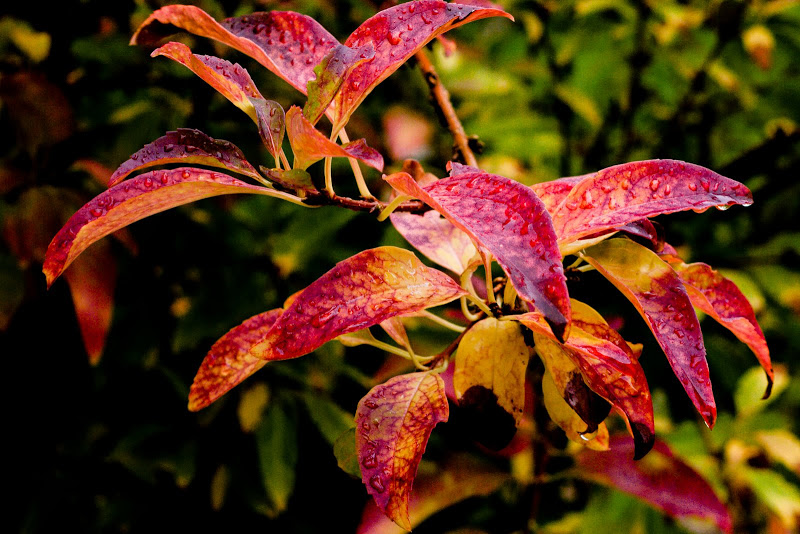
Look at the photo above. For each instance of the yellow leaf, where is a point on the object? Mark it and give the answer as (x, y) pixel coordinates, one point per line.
(251, 406)
(569, 421)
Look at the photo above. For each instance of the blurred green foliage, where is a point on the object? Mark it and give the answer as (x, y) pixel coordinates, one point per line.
(572, 87)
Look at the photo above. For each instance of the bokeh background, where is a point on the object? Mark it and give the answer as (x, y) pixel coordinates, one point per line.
(569, 88)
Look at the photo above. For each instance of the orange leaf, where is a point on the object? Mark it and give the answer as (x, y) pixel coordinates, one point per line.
(393, 423)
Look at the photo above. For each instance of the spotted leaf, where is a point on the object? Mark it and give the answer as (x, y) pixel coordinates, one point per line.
(658, 294)
(397, 34)
(310, 145)
(330, 74)
(507, 219)
(661, 479)
(361, 291)
(722, 300)
(490, 368)
(229, 360)
(288, 44)
(554, 192)
(186, 146)
(135, 199)
(618, 195)
(393, 423)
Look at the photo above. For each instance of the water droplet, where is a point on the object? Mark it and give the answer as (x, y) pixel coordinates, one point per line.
(370, 461)
(320, 319)
(97, 212)
(164, 178)
(135, 156)
(705, 185)
(411, 8)
(587, 201)
(410, 27)
(355, 84)
(693, 186)
(612, 203)
(434, 12)
(185, 174)
(148, 182)
(190, 148)
(716, 186)
(394, 38)
(168, 148)
(667, 190)
(571, 205)
(723, 207)
(679, 333)
(625, 184)
(425, 19)
(654, 183)
(377, 484)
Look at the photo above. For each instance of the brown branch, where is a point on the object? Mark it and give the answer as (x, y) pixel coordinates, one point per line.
(320, 198)
(442, 99)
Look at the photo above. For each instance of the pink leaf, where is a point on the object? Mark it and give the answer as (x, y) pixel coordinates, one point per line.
(724, 302)
(361, 291)
(186, 146)
(135, 199)
(393, 423)
(618, 195)
(310, 145)
(437, 238)
(397, 34)
(288, 44)
(510, 221)
(229, 361)
(658, 294)
(660, 479)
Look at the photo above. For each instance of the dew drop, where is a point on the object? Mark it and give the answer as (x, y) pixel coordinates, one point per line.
(168, 148)
(97, 212)
(667, 190)
(370, 462)
(724, 207)
(705, 185)
(355, 84)
(425, 19)
(410, 27)
(185, 174)
(625, 184)
(693, 186)
(190, 148)
(654, 183)
(164, 178)
(148, 182)
(571, 205)
(377, 484)
(135, 156)
(716, 186)
(394, 38)
(612, 203)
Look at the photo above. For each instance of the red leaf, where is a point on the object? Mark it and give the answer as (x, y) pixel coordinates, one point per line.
(289, 44)
(397, 34)
(91, 281)
(310, 145)
(721, 299)
(554, 192)
(186, 146)
(229, 361)
(136, 199)
(437, 238)
(660, 479)
(361, 291)
(618, 195)
(509, 220)
(659, 295)
(330, 74)
(393, 423)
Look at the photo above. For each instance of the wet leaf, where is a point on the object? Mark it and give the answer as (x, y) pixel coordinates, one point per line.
(398, 33)
(361, 291)
(310, 145)
(491, 360)
(271, 125)
(460, 478)
(437, 238)
(135, 199)
(288, 44)
(569, 421)
(658, 294)
(554, 192)
(186, 146)
(660, 479)
(509, 220)
(231, 80)
(330, 74)
(393, 423)
(619, 195)
(292, 179)
(229, 361)
(276, 439)
(722, 300)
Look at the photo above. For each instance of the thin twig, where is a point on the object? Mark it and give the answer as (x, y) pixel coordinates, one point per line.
(321, 198)
(442, 99)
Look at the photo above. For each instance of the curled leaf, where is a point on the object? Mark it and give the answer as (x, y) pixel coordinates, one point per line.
(508, 219)
(490, 369)
(570, 422)
(271, 124)
(310, 145)
(135, 199)
(186, 146)
(229, 361)
(393, 423)
(619, 195)
(361, 291)
(658, 294)
(288, 44)
(398, 33)
(721, 299)
(661, 479)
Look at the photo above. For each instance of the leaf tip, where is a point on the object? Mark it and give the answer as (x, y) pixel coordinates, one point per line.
(643, 440)
(770, 382)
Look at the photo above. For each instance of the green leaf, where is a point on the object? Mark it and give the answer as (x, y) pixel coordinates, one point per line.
(276, 439)
(328, 417)
(344, 448)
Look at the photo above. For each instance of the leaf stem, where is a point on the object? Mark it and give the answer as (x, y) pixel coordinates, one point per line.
(392, 206)
(442, 99)
(362, 185)
(329, 177)
(285, 160)
(442, 322)
(321, 198)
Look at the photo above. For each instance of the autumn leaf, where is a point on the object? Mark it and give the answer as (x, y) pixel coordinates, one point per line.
(619, 195)
(135, 199)
(658, 294)
(330, 75)
(570, 422)
(288, 44)
(361, 291)
(722, 300)
(393, 423)
(310, 145)
(229, 360)
(553, 193)
(437, 238)
(186, 146)
(396, 34)
(660, 479)
(489, 377)
(506, 218)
